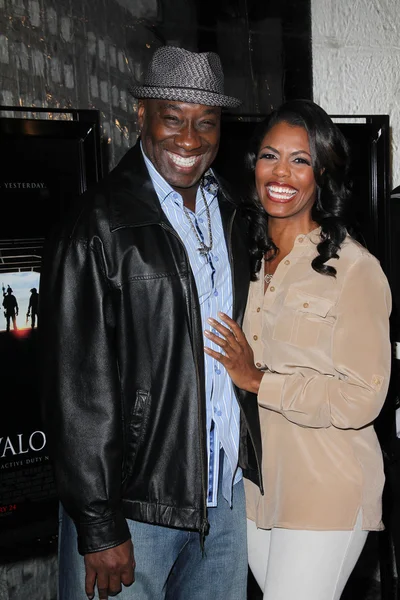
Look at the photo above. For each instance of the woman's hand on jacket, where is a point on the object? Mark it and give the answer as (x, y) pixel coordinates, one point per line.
(236, 356)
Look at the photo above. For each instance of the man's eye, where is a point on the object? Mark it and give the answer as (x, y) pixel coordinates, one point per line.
(171, 119)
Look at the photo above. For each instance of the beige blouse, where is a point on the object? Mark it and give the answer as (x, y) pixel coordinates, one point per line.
(325, 343)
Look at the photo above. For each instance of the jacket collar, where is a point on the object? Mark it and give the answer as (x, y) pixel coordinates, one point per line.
(133, 200)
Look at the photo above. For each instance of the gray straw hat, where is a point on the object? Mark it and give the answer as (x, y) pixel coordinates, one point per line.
(177, 74)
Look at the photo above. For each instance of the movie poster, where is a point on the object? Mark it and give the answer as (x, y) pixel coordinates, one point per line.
(27, 494)
(42, 171)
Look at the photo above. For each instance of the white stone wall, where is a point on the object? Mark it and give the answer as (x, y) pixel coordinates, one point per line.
(356, 61)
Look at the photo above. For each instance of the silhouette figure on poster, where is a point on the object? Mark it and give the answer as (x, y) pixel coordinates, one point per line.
(33, 307)
(10, 306)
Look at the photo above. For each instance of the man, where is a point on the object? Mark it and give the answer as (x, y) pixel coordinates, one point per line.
(33, 307)
(10, 306)
(146, 434)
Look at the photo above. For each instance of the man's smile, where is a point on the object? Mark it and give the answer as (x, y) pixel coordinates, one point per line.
(181, 161)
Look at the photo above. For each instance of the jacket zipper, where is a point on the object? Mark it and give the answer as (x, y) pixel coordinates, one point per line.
(205, 525)
(233, 312)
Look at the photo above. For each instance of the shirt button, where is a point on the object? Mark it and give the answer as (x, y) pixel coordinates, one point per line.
(200, 220)
(287, 262)
(272, 289)
(218, 371)
(216, 293)
(216, 258)
(255, 337)
(301, 240)
(306, 305)
(258, 365)
(258, 308)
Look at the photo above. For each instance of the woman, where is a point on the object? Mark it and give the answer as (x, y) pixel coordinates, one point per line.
(317, 356)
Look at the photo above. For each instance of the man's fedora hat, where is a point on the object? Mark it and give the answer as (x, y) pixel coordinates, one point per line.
(177, 74)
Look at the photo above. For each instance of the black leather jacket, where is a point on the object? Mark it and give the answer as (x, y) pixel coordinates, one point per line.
(122, 343)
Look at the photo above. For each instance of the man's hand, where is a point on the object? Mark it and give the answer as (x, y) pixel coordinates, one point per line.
(110, 568)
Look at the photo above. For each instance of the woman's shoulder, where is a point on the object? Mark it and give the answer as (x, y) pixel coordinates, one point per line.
(352, 250)
(356, 257)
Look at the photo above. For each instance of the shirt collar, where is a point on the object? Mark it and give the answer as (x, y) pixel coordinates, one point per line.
(164, 189)
(313, 237)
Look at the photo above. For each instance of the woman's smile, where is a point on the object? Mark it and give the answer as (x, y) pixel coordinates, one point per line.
(280, 193)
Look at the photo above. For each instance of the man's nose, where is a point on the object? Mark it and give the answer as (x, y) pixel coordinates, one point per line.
(188, 138)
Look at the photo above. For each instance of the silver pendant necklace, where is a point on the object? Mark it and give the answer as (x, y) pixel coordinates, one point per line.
(267, 276)
(203, 249)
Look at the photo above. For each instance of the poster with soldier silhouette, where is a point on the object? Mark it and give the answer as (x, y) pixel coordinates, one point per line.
(46, 165)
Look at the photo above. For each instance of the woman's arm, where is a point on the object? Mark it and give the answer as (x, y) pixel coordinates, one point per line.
(361, 355)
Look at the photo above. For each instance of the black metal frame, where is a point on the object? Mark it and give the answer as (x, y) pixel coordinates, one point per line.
(380, 178)
(88, 116)
(14, 253)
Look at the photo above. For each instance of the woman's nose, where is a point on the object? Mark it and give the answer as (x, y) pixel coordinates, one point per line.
(281, 168)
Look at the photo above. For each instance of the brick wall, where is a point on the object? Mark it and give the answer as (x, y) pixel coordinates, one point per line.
(60, 53)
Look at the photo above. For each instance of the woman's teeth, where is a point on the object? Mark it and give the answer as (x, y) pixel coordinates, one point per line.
(182, 162)
(280, 192)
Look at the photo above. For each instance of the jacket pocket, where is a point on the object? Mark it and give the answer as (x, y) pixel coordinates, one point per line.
(302, 318)
(137, 429)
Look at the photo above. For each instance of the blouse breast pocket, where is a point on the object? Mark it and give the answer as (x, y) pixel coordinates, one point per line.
(303, 318)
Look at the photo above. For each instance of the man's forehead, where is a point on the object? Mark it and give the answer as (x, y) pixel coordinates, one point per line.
(160, 105)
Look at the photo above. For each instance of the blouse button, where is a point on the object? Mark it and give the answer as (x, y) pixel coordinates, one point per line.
(287, 262)
(258, 365)
(272, 289)
(306, 305)
(255, 337)
(258, 308)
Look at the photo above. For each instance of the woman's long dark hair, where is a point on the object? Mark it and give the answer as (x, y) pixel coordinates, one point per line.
(330, 162)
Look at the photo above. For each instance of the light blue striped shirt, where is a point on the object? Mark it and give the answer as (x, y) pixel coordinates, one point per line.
(214, 288)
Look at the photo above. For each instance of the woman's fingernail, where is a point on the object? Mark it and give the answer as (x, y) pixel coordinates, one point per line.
(210, 320)
(207, 333)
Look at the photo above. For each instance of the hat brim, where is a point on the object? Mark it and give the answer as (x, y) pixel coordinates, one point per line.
(191, 95)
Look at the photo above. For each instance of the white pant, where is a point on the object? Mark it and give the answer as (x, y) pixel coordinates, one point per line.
(304, 565)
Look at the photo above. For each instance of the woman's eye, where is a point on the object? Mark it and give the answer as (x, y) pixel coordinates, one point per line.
(267, 155)
(302, 161)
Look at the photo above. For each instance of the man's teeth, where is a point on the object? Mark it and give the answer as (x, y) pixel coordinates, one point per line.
(281, 192)
(182, 162)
